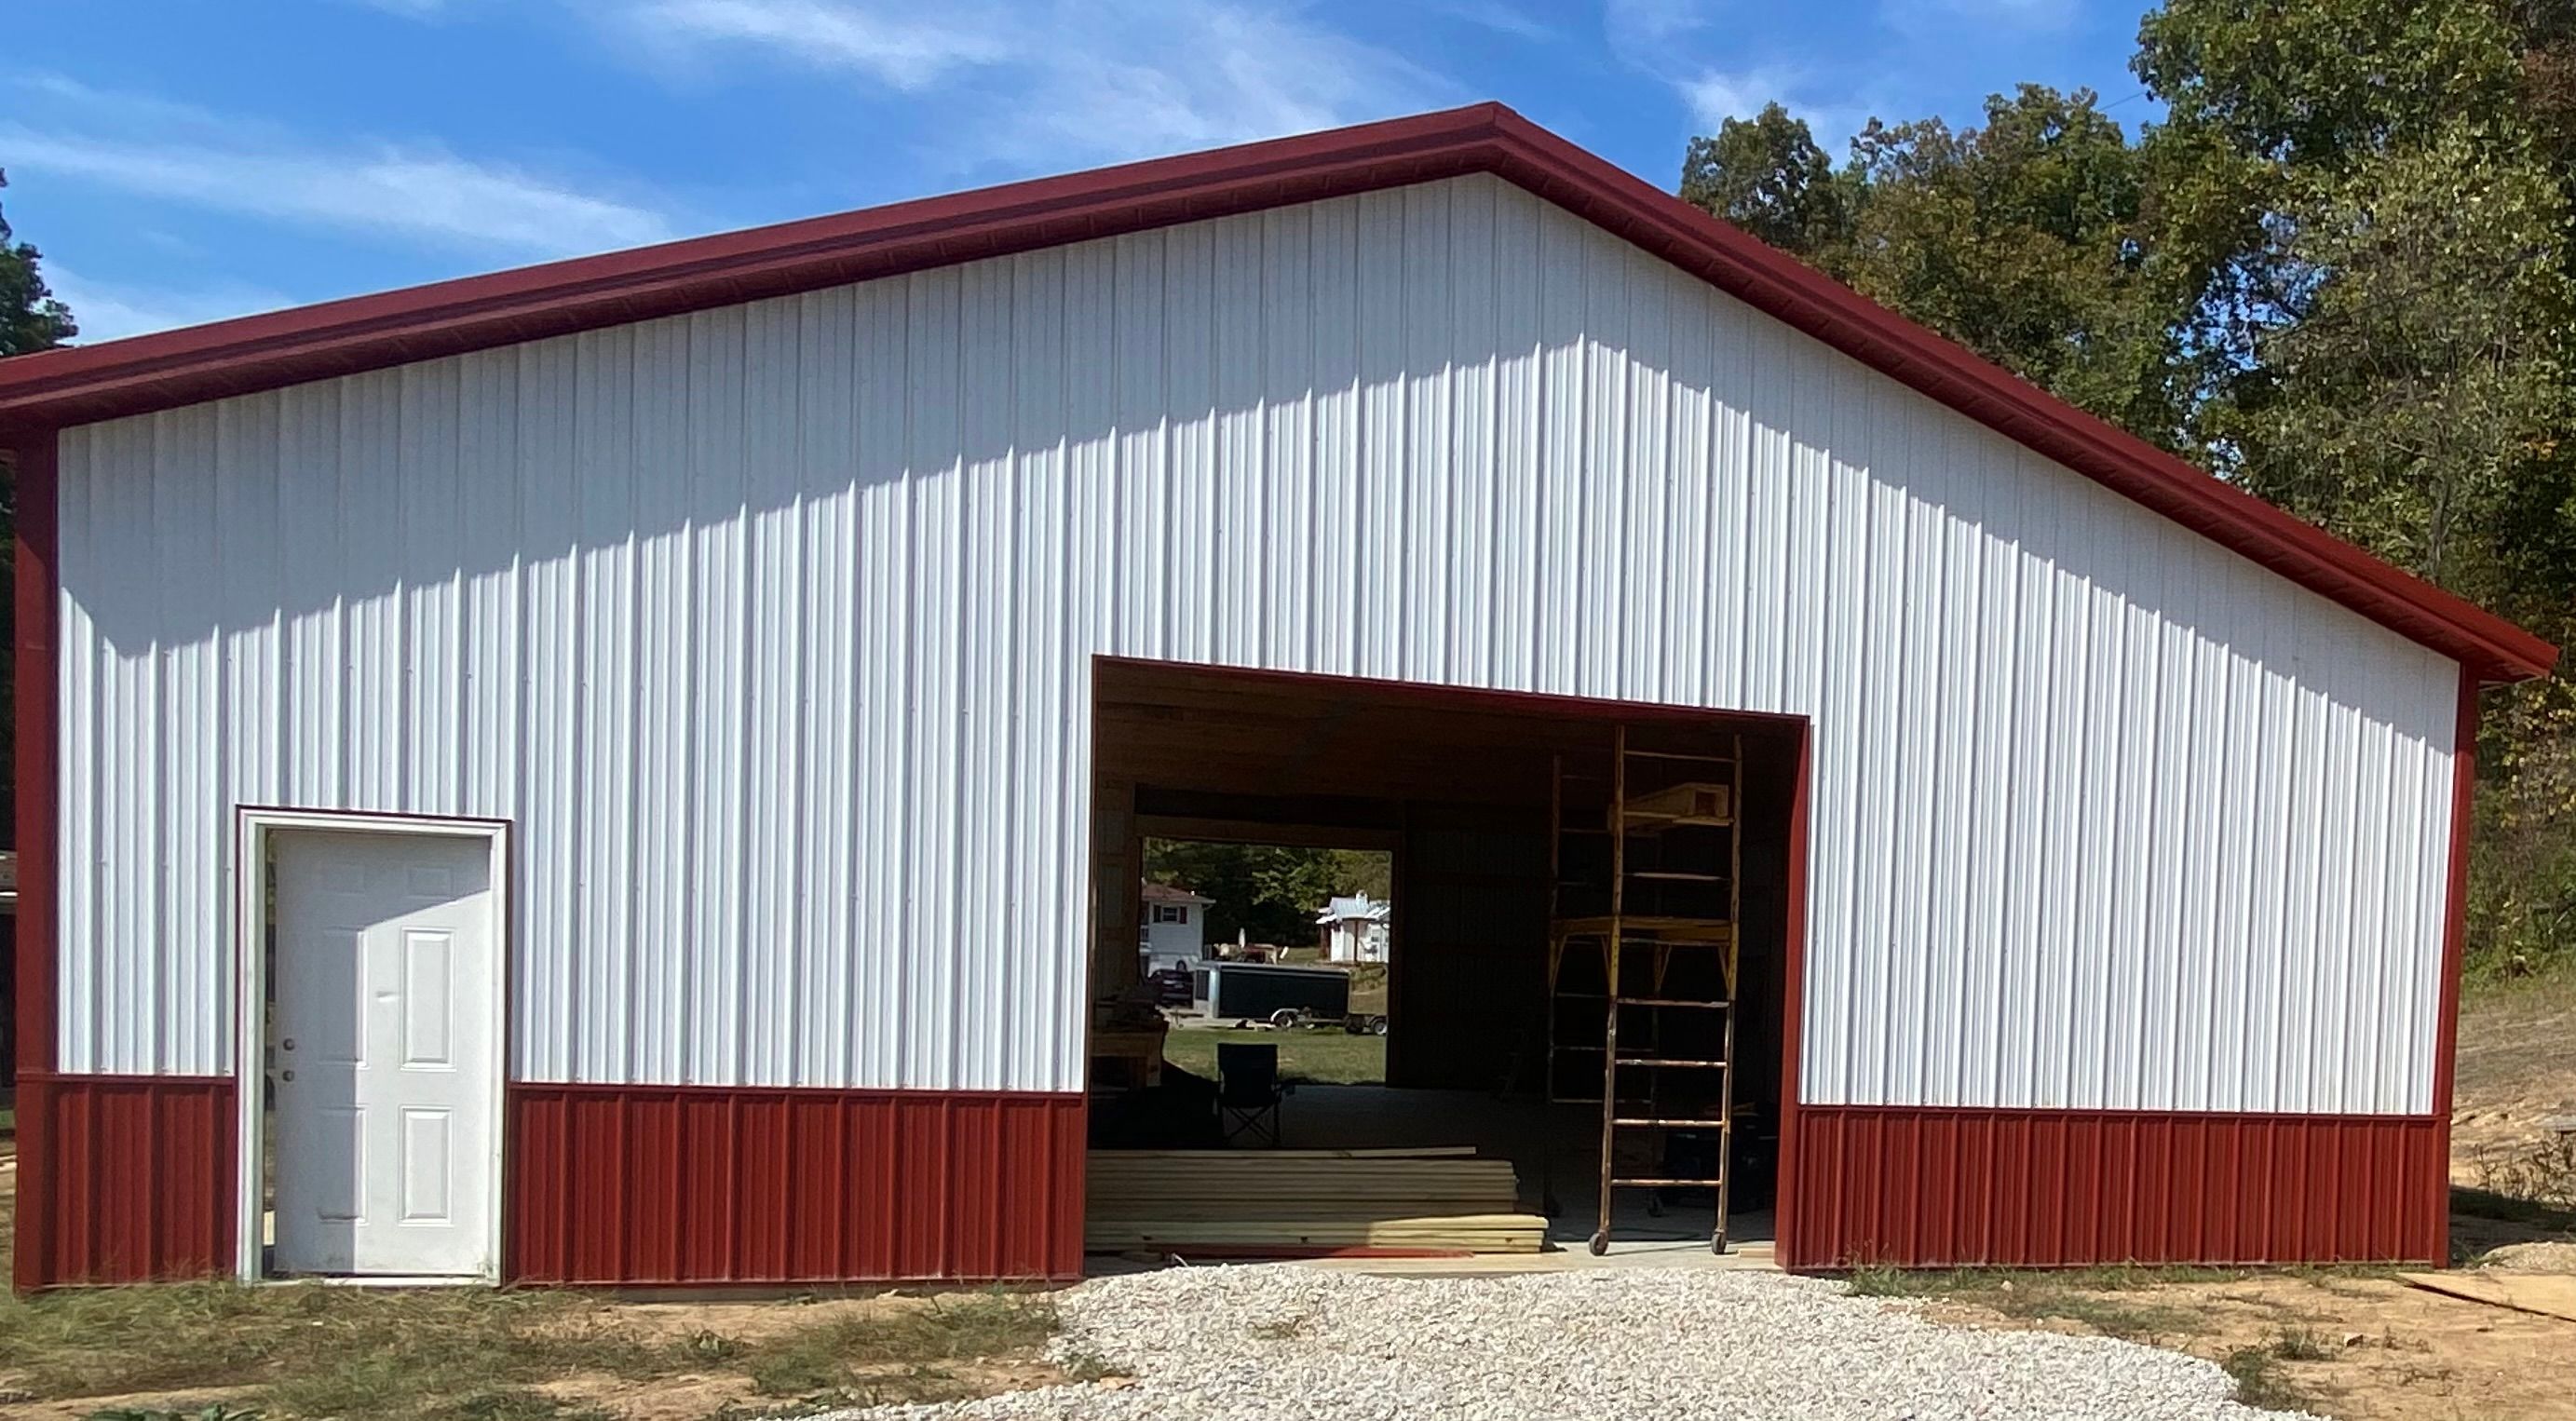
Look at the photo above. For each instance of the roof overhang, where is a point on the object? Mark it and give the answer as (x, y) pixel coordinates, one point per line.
(84, 384)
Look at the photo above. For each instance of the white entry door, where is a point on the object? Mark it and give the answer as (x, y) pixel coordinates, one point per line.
(384, 1058)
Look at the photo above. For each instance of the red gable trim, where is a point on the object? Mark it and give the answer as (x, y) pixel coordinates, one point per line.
(84, 384)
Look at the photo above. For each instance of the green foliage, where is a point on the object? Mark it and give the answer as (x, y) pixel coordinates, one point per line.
(1768, 176)
(2023, 239)
(1270, 892)
(2411, 389)
(30, 318)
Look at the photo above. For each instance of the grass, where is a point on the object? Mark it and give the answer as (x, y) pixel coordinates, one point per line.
(2260, 1380)
(1326, 1057)
(400, 1354)
(2090, 1296)
(2541, 1175)
(871, 1361)
(2099, 1298)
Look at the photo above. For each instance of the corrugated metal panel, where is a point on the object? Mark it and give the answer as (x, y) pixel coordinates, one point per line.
(1942, 1188)
(134, 1181)
(637, 1185)
(769, 626)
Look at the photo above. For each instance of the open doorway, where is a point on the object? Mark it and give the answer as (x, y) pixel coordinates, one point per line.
(1468, 795)
(1282, 946)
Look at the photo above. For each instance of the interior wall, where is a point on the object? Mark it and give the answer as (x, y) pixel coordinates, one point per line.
(1468, 948)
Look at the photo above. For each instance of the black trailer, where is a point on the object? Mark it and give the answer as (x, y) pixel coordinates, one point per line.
(1260, 991)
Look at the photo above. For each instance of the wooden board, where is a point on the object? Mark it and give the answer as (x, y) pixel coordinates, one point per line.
(1420, 1152)
(1682, 805)
(1304, 1200)
(1474, 1233)
(1646, 927)
(2548, 1294)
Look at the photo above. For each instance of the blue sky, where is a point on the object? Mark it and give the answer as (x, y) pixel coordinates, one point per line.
(181, 162)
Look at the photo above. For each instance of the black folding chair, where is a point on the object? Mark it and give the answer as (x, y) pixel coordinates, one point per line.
(1248, 1092)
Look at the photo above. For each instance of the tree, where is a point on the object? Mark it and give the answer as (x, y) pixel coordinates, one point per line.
(31, 319)
(2024, 239)
(1768, 176)
(1270, 892)
(2410, 386)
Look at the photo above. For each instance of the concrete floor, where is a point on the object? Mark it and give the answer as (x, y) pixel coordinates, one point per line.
(1556, 1151)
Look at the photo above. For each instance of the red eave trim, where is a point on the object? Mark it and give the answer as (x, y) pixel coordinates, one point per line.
(86, 384)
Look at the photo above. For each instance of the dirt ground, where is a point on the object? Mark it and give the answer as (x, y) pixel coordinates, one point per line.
(2356, 1347)
(2517, 1067)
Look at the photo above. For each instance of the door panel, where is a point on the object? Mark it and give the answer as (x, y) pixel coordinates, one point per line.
(385, 1061)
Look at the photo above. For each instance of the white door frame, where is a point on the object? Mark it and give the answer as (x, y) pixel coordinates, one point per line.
(250, 1021)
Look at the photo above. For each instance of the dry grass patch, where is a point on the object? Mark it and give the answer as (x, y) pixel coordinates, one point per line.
(2115, 1302)
(952, 1348)
(2160, 1307)
(415, 1354)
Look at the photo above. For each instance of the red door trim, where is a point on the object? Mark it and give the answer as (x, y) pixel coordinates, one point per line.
(1793, 989)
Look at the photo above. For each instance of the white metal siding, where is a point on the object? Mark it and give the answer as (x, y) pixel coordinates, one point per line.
(770, 627)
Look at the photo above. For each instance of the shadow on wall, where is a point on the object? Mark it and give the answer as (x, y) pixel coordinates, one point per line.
(1145, 390)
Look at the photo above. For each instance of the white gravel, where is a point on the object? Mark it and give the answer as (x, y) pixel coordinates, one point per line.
(1275, 1340)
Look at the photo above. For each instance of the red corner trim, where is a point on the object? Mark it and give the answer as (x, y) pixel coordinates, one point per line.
(1793, 990)
(32, 459)
(86, 384)
(2455, 938)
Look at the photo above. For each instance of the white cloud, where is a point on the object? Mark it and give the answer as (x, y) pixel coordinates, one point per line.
(1500, 18)
(110, 311)
(1716, 95)
(1167, 77)
(907, 52)
(1925, 16)
(1640, 31)
(422, 194)
(1070, 80)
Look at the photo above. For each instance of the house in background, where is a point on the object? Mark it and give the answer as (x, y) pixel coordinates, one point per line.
(1353, 929)
(1172, 929)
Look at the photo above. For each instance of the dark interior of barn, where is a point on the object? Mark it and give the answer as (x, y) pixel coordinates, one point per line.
(1494, 807)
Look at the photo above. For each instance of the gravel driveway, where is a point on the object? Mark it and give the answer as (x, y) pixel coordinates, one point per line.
(1290, 1341)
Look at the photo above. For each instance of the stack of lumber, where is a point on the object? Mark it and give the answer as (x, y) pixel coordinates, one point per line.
(1307, 1201)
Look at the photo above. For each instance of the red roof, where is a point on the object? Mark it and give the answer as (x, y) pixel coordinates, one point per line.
(125, 377)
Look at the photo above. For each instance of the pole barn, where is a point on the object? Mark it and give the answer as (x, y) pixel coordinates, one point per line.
(639, 761)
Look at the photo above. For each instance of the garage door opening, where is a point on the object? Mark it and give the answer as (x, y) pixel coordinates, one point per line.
(1529, 840)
